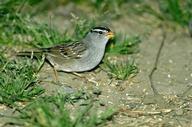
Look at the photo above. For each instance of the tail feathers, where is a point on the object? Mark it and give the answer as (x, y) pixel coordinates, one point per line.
(30, 53)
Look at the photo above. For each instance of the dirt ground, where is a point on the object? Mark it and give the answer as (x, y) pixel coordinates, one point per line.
(137, 105)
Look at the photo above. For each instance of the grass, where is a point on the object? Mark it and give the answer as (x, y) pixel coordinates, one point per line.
(120, 70)
(47, 112)
(124, 45)
(174, 10)
(53, 111)
(82, 26)
(19, 28)
(18, 81)
(108, 5)
(44, 35)
(22, 29)
(177, 11)
(112, 8)
(190, 27)
(12, 21)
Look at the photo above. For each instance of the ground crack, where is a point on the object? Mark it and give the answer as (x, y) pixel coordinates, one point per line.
(156, 62)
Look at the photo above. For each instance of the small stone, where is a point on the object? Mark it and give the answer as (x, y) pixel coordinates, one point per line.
(170, 61)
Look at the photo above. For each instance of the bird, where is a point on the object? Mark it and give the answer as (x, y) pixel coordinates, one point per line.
(79, 56)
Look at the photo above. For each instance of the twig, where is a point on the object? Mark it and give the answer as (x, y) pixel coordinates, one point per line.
(156, 62)
(138, 113)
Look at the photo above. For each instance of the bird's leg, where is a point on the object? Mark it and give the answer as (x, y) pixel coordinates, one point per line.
(56, 74)
(42, 61)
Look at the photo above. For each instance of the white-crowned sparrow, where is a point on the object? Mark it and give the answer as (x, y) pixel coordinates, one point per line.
(79, 56)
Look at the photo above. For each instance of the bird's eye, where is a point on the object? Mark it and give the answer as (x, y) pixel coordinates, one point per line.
(100, 32)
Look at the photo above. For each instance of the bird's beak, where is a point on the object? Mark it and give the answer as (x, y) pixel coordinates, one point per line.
(110, 35)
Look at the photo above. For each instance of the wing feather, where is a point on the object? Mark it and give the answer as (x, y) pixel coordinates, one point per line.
(73, 50)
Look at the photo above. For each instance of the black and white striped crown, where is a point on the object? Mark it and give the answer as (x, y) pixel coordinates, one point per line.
(100, 29)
